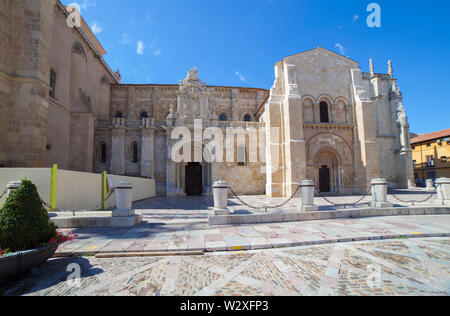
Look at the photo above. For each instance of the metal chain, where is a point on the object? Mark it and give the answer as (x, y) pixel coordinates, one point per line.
(4, 192)
(100, 206)
(416, 201)
(345, 204)
(266, 207)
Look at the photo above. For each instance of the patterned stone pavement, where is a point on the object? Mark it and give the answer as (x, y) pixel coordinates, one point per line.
(396, 267)
(167, 232)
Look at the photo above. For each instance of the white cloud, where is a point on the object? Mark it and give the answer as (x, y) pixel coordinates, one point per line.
(148, 17)
(355, 18)
(96, 29)
(157, 52)
(241, 77)
(126, 39)
(140, 48)
(340, 48)
(86, 4)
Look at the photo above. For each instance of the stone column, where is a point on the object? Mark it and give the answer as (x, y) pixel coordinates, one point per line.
(124, 199)
(171, 189)
(366, 131)
(274, 158)
(12, 186)
(430, 184)
(307, 197)
(379, 193)
(220, 192)
(118, 151)
(147, 155)
(292, 127)
(443, 190)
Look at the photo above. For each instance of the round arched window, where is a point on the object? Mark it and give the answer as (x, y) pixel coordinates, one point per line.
(324, 117)
(144, 115)
(119, 115)
(247, 118)
(223, 117)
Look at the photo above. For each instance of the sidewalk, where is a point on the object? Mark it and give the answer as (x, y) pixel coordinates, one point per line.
(171, 231)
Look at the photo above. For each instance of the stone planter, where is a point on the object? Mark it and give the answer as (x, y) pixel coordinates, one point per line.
(18, 264)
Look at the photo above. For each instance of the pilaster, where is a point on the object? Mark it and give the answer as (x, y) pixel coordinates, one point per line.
(148, 156)
(118, 150)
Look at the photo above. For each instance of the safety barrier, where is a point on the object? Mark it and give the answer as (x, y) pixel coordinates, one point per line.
(377, 189)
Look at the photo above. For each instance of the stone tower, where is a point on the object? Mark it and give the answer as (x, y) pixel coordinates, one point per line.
(24, 81)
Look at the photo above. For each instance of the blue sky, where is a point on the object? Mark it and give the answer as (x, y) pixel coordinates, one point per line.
(237, 42)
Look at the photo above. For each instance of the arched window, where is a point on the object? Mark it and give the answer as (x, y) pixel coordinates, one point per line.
(103, 149)
(223, 117)
(52, 92)
(78, 48)
(324, 117)
(119, 115)
(247, 118)
(135, 152)
(144, 115)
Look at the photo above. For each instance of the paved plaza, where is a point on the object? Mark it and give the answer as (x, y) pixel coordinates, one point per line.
(397, 255)
(181, 224)
(396, 267)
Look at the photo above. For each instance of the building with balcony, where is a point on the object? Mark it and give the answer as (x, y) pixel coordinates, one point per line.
(431, 156)
(324, 119)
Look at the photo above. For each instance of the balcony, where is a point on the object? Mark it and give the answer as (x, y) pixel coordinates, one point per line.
(147, 122)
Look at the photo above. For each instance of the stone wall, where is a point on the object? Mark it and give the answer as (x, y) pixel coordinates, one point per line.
(25, 69)
(131, 101)
(82, 94)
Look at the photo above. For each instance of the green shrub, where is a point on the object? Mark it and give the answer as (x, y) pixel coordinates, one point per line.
(24, 222)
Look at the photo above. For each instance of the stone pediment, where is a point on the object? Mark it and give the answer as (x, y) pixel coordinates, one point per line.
(326, 51)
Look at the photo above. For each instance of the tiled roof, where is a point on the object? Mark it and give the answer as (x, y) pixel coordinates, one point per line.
(431, 136)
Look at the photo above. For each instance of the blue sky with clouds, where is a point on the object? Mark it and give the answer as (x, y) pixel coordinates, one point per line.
(236, 42)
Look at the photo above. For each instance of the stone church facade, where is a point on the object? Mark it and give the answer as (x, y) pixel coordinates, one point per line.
(323, 119)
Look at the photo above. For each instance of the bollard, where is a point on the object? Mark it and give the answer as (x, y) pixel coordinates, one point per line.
(412, 184)
(430, 184)
(220, 192)
(13, 186)
(307, 197)
(379, 194)
(443, 190)
(124, 199)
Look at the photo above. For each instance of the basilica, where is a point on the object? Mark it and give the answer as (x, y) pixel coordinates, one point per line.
(324, 119)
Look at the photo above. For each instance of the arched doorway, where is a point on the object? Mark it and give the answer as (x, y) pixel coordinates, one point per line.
(194, 179)
(328, 171)
(324, 179)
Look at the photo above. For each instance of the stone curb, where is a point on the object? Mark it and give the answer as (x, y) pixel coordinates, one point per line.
(100, 254)
(265, 218)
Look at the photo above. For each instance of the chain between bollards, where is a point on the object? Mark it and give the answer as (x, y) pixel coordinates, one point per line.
(96, 208)
(346, 204)
(266, 207)
(3, 194)
(416, 201)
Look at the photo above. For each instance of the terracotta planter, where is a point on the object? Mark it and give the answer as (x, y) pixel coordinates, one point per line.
(17, 264)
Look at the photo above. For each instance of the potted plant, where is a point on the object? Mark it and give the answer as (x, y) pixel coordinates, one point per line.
(27, 236)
